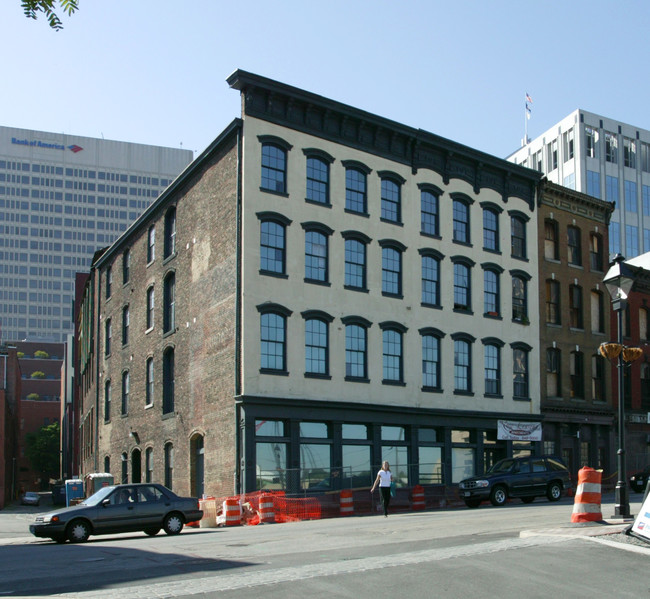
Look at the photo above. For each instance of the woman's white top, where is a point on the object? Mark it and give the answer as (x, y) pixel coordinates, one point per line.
(384, 478)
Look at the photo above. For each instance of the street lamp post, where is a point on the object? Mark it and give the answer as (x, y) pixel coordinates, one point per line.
(619, 280)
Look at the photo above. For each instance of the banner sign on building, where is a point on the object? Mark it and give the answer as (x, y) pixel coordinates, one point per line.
(508, 430)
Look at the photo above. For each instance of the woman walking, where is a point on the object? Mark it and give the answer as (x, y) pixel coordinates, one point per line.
(384, 480)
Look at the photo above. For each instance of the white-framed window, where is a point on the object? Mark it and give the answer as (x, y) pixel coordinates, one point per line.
(551, 155)
(568, 143)
(611, 147)
(629, 152)
(591, 142)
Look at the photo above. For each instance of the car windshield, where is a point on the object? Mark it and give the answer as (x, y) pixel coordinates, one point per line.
(502, 466)
(98, 497)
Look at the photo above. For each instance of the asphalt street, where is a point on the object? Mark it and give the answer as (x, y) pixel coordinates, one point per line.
(520, 550)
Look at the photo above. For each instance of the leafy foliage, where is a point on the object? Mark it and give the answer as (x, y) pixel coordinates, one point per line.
(41, 354)
(33, 397)
(42, 450)
(37, 374)
(31, 8)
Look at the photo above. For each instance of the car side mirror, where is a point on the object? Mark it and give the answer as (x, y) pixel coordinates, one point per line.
(106, 502)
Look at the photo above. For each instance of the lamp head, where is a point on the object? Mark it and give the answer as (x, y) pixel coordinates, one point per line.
(619, 278)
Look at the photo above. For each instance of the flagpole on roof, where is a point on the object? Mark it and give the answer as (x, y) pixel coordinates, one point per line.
(525, 124)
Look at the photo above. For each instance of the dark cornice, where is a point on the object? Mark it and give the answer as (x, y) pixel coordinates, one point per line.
(570, 200)
(303, 111)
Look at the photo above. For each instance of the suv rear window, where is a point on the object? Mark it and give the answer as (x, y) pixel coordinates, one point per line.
(554, 464)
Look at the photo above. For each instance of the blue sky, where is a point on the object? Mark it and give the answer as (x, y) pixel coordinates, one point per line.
(154, 71)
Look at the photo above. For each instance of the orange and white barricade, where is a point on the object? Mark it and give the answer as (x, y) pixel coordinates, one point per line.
(586, 507)
(232, 511)
(267, 509)
(417, 495)
(347, 504)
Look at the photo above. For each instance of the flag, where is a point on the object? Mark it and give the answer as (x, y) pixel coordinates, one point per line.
(528, 98)
(527, 111)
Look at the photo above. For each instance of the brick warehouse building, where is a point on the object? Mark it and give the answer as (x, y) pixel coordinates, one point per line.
(321, 289)
(579, 418)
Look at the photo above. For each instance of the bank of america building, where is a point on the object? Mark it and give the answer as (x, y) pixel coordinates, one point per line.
(61, 198)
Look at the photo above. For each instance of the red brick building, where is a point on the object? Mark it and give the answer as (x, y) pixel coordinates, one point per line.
(40, 400)
(9, 418)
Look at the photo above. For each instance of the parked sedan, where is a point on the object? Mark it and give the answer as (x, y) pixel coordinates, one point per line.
(30, 498)
(119, 508)
(639, 480)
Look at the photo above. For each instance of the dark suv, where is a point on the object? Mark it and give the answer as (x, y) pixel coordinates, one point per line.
(527, 477)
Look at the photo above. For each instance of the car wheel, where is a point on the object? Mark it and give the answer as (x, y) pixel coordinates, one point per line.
(78, 531)
(152, 532)
(554, 492)
(528, 499)
(173, 523)
(472, 502)
(499, 496)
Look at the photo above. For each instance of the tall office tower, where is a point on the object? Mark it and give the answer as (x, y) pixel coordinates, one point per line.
(61, 198)
(606, 159)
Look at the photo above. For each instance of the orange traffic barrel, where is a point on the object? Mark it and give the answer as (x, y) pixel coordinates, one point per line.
(347, 505)
(267, 509)
(418, 498)
(586, 507)
(233, 512)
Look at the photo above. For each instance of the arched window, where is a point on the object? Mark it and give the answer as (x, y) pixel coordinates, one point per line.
(355, 261)
(392, 353)
(430, 279)
(552, 302)
(151, 244)
(148, 464)
(150, 306)
(356, 189)
(391, 198)
(596, 252)
(149, 383)
(491, 292)
(169, 303)
(391, 268)
(126, 266)
(431, 359)
(126, 321)
(598, 377)
(520, 373)
(518, 235)
(136, 466)
(519, 299)
(125, 468)
(429, 210)
(317, 346)
(272, 247)
(462, 284)
(574, 246)
(273, 338)
(575, 307)
(109, 281)
(490, 229)
(318, 176)
(577, 372)
(170, 232)
(462, 363)
(551, 240)
(126, 384)
(492, 368)
(108, 334)
(107, 401)
(168, 381)
(356, 348)
(316, 252)
(553, 372)
(461, 231)
(169, 465)
(107, 463)
(274, 168)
